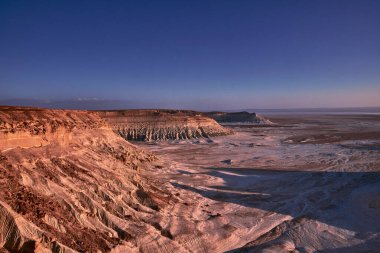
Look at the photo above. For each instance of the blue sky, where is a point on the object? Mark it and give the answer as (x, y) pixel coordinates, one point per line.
(193, 54)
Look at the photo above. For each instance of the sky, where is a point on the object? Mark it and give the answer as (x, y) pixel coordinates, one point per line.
(191, 54)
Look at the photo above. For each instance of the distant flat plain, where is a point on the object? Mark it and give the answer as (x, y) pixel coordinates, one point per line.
(309, 183)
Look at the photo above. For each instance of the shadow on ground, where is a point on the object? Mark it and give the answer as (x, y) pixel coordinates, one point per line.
(347, 200)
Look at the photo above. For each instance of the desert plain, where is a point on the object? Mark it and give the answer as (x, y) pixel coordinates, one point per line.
(309, 183)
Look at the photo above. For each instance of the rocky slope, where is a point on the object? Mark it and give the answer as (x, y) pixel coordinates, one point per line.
(148, 125)
(68, 183)
(238, 118)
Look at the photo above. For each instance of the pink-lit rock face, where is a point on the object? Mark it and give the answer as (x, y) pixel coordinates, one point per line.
(32, 127)
(69, 183)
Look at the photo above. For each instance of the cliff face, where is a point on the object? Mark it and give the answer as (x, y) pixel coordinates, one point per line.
(33, 127)
(148, 125)
(68, 183)
(238, 117)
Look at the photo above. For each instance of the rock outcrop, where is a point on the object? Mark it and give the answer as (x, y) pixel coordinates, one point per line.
(238, 118)
(68, 183)
(149, 125)
(33, 127)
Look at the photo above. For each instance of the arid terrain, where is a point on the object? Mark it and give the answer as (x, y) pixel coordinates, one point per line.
(152, 125)
(307, 184)
(79, 181)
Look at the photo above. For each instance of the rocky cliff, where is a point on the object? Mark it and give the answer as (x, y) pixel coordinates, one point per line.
(148, 125)
(238, 117)
(33, 127)
(68, 183)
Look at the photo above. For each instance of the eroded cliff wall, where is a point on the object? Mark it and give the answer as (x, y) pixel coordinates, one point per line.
(148, 125)
(68, 183)
(33, 127)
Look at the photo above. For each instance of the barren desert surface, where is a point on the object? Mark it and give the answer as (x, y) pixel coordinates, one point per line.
(308, 184)
(71, 182)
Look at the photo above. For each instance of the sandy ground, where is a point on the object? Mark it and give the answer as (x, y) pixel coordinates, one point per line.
(310, 183)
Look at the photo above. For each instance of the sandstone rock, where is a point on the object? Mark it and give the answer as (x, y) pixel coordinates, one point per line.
(68, 183)
(149, 125)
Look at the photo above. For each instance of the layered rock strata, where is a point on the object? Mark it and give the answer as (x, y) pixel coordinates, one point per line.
(68, 183)
(149, 125)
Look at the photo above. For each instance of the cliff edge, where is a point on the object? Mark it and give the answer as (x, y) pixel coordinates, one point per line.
(68, 183)
(150, 125)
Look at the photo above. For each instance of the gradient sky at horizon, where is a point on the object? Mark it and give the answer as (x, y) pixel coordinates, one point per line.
(193, 54)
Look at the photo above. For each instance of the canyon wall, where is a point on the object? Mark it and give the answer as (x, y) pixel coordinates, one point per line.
(68, 183)
(148, 125)
(33, 127)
